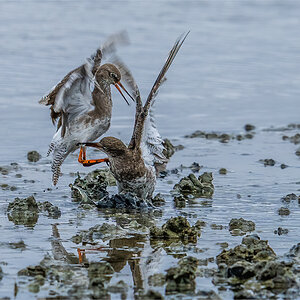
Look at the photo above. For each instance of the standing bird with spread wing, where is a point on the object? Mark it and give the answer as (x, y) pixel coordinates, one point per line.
(82, 103)
(134, 166)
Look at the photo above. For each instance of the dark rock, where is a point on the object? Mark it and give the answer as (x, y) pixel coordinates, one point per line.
(51, 210)
(179, 201)
(283, 211)
(175, 228)
(241, 224)
(33, 156)
(1, 274)
(254, 267)
(182, 278)
(124, 201)
(200, 187)
(158, 200)
(281, 231)
(289, 197)
(216, 226)
(169, 148)
(268, 162)
(23, 211)
(223, 171)
(283, 166)
(33, 271)
(93, 186)
(249, 127)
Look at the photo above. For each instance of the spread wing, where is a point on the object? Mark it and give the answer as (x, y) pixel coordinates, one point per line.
(152, 143)
(145, 133)
(72, 95)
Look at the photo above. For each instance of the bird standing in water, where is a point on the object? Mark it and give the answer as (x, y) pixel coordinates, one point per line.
(134, 166)
(82, 102)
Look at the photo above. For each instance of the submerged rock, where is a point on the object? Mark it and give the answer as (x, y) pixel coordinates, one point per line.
(281, 231)
(221, 137)
(200, 187)
(289, 197)
(241, 225)
(283, 211)
(181, 279)
(23, 211)
(254, 267)
(175, 228)
(223, 171)
(1, 273)
(295, 139)
(51, 210)
(249, 127)
(33, 156)
(104, 231)
(268, 162)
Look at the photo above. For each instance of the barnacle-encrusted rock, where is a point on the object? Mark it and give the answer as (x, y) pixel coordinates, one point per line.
(251, 249)
(51, 210)
(26, 211)
(191, 185)
(241, 225)
(182, 278)
(33, 156)
(23, 211)
(254, 267)
(175, 228)
(92, 186)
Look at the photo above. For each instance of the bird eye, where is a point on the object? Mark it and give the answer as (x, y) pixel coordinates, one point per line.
(114, 76)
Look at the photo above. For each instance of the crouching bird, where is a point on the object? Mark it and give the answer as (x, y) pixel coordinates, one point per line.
(82, 103)
(134, 166)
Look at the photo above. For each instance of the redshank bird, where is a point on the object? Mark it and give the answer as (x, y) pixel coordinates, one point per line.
(134, 166)
(82, 103)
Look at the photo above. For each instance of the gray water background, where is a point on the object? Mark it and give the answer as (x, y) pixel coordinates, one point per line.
(240, 64)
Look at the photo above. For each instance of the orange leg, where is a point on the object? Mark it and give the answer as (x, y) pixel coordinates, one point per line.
(81, 252)
(89, 162)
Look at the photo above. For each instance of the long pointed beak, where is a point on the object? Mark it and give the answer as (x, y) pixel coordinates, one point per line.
(118, 85)
(95, 145)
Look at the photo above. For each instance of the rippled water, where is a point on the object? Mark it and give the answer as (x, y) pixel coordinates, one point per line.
(240, 64)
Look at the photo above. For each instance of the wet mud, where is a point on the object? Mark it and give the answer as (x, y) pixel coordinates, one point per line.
(126, 236)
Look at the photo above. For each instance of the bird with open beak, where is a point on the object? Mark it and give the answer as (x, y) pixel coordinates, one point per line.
(133, 166)
(82, 103)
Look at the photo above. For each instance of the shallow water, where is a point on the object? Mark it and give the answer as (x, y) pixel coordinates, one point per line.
(240, 64)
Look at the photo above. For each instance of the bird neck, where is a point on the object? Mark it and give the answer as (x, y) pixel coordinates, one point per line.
(102, 98)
